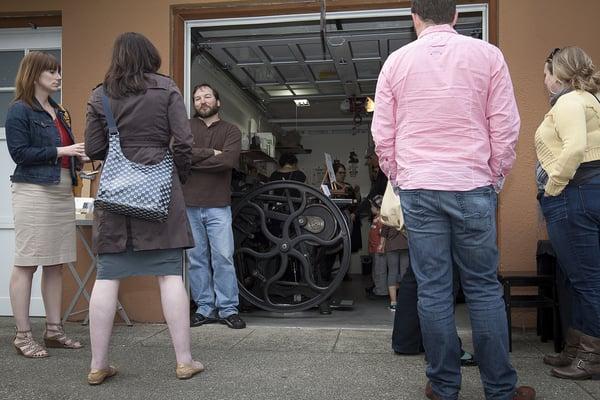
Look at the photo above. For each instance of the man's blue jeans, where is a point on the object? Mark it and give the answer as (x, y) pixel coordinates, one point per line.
(212, 275)
(446, 227)
(573, 223)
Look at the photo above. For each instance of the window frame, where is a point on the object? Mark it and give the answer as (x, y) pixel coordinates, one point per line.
(28, 39)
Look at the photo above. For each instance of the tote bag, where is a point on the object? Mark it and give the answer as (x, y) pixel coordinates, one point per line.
(391, 211)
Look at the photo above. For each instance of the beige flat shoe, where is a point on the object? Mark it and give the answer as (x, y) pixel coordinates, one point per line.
(97, 376)
(186, 371)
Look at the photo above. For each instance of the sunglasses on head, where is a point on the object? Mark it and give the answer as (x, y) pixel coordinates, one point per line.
(552, 54)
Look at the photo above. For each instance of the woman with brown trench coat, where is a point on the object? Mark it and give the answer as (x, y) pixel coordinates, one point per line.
(150, 116)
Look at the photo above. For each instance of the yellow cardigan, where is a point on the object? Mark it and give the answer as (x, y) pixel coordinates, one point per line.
(568, 136)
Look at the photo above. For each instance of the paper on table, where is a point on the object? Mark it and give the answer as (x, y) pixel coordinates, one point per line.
(84, 207)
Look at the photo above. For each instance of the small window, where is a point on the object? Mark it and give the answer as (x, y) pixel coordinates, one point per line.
(13, 47)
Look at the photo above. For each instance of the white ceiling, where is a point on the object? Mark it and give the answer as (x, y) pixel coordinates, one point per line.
(278, 62)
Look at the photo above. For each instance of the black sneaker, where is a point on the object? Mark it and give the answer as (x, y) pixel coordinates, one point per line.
(199, 319)
(233, 321)
(467, 359)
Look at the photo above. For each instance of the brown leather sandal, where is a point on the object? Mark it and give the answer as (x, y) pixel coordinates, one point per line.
(26, 346)
(56, 338)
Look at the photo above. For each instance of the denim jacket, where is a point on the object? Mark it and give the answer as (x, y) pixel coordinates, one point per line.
(32, 140)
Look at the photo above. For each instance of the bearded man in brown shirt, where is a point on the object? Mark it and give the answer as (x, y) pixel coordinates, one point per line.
(207, 193)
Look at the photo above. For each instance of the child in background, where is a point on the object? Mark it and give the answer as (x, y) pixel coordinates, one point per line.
(385, 270)
(396, 254)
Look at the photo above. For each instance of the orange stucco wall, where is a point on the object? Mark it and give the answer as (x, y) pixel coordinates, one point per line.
(528, 29)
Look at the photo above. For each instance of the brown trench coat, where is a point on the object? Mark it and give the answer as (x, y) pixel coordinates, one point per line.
(147, 123)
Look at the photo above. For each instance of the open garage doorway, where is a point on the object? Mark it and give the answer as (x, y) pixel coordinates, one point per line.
(302, 80)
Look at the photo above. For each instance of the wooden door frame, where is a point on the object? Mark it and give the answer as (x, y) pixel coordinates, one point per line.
(180, 14)
(31, 19)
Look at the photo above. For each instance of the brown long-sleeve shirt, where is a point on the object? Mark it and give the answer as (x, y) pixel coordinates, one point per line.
(209, 185)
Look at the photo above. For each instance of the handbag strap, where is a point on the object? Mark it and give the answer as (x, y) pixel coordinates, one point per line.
(110, 119)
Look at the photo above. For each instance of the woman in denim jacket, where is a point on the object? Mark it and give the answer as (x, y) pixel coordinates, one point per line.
(41, 144)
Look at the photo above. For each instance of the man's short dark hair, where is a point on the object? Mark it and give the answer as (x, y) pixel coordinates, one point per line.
(201, 85)
(437, 11)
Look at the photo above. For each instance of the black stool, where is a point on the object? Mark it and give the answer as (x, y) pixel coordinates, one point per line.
(541, 301)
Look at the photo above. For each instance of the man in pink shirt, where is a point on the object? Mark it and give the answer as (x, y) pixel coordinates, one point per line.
(445, 128)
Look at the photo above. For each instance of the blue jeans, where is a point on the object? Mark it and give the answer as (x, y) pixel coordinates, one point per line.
(212, 275)
(573, 223)
(445, 227)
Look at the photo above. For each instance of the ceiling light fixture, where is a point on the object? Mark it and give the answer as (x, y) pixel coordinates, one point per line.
(302, 102)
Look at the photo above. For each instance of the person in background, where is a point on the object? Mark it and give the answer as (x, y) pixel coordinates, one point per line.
(406, 334)
(567, 144)
(326, 260)
(151, 119)
(288, 170)
(42, 145)
(377, 177)
(378, 186)
(347, 191)
(396, 254)
(377, 251)
(445, 136)
(216, 152)
(385, 245)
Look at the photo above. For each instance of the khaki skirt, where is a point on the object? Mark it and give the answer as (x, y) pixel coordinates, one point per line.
(44, 217)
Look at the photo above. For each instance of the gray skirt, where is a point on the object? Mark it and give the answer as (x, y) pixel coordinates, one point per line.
(145, 262)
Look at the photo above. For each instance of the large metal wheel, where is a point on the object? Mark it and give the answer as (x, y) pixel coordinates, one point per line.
(287, 237)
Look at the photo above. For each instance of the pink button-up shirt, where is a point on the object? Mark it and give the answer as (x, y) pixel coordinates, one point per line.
(445, 114)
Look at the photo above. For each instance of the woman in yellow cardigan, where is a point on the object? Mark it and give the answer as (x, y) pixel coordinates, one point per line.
(567, 144)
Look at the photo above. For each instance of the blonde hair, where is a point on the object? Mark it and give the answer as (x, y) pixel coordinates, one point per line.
(30, 69)
(572, 66)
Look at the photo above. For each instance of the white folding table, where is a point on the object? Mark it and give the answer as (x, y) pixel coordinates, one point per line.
(82, 225)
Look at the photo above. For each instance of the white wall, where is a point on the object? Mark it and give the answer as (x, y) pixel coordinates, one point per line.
(236, 107)
(339, 146)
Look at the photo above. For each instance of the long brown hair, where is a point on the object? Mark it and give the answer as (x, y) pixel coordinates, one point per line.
(133, 56)
(30, 69)
(574, 67)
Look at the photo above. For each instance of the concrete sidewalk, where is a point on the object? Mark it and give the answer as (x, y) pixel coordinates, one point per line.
(259, 362)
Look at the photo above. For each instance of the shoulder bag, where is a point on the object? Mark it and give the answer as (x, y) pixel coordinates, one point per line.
(132, 189)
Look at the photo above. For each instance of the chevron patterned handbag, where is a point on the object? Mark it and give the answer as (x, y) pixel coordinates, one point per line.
(128, 188)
